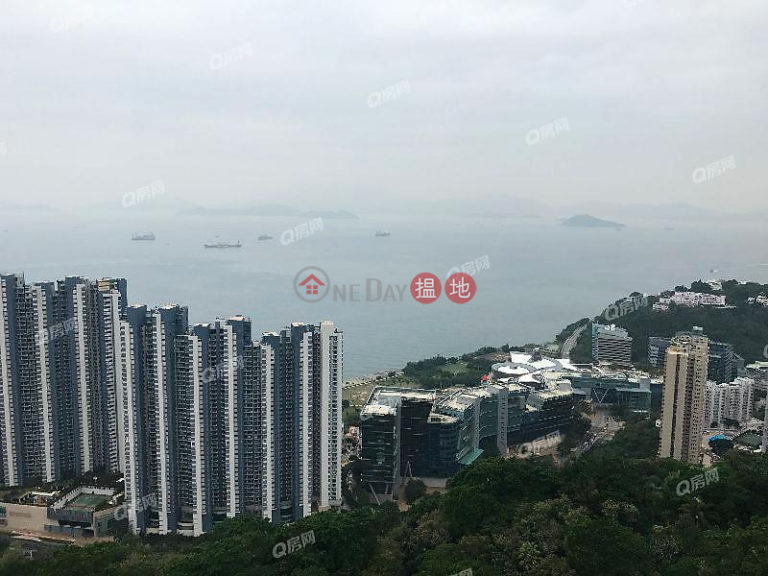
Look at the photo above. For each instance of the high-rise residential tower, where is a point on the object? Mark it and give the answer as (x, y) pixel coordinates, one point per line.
(303, 372)
(192, 445)
(222, 347)
(204, 423)
(682, 412)
(58, 378)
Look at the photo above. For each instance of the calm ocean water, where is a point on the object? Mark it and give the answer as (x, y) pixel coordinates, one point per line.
(542, 275)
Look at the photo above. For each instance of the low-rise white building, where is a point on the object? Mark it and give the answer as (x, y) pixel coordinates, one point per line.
(728, 401)
(690, 300)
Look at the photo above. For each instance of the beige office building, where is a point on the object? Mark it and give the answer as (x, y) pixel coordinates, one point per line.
(682, 409)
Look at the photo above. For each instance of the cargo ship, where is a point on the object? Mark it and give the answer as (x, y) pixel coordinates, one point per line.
(221, 245)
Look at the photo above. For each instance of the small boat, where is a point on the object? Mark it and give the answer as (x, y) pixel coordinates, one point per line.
(149, 237)
(224, 245)
(265, 237)
(382, 234)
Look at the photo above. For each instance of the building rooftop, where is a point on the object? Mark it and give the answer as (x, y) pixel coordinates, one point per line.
(459, 401)
(377, 410)
(610, 330)
(390, 395)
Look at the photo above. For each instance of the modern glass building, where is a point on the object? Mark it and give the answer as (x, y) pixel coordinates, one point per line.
(380, 450)
(600, 390)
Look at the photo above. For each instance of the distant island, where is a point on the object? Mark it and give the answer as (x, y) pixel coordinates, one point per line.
(587, 221)
(269, 210)
(331, 214)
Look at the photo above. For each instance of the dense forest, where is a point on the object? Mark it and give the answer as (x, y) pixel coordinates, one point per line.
(614, 510)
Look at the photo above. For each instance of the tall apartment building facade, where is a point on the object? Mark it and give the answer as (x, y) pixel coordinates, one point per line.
(203, 422)
(57, 378)
(303, 377)
(249, 427)
(685, 380)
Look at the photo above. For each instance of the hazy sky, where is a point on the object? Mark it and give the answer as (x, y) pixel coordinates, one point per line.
(251, 101)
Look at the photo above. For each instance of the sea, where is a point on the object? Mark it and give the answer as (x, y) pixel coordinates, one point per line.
(533, 276)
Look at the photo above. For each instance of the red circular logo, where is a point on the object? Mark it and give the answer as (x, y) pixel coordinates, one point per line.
(460, 288)
(426, 288)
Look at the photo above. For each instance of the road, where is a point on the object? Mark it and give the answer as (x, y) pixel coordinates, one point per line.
(568, 345)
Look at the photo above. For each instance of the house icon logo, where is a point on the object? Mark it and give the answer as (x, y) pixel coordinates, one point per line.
(311, 284)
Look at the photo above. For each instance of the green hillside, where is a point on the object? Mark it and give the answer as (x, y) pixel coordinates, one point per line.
(613, 511)
(745, 326)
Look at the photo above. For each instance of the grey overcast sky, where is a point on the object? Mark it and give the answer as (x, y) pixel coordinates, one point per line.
(251, 101)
